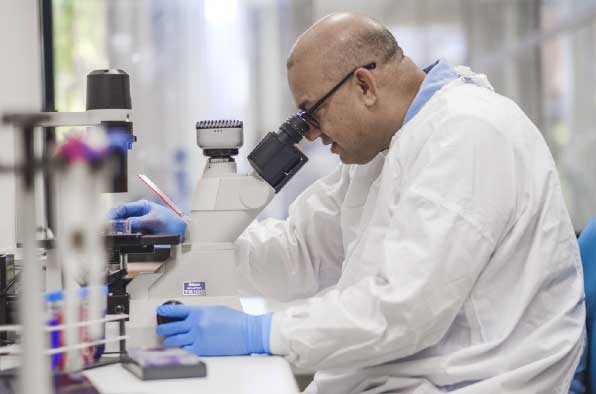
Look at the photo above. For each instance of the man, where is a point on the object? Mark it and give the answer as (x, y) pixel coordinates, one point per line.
(439, 257)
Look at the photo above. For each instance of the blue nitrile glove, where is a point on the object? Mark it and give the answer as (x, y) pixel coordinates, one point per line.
(215, 330)
(149, 217)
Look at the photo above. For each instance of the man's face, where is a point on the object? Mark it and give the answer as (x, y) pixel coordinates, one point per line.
(342, 116)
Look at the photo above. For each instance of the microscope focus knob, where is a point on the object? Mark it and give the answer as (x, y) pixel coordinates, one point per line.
(164, 319)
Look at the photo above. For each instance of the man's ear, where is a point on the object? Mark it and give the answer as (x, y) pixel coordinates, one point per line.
(367, 85)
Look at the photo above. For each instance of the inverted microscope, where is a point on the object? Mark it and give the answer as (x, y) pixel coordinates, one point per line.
(201, 270)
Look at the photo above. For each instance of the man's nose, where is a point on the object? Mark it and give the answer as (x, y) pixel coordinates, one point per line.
(313, 134)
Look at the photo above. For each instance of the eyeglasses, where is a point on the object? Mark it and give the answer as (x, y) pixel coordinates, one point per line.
(308, 115)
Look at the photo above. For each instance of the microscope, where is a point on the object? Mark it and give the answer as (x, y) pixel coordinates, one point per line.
(201, 270)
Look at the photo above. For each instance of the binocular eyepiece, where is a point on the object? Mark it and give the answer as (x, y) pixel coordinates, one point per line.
(276, 158)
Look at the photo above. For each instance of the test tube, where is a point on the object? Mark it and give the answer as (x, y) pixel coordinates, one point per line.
(55, 308)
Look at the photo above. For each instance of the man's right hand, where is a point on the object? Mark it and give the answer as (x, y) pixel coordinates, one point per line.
(149, 217)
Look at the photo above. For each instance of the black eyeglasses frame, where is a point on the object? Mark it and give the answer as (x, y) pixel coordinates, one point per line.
(307, 114)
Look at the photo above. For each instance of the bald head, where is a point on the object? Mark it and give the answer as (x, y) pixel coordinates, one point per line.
(340, 42)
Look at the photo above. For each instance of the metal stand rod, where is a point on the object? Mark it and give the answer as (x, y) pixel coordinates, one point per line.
(122, 343)
(34, 375)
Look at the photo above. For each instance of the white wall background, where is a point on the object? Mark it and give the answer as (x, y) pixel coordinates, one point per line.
(20, 90)
(209, 59)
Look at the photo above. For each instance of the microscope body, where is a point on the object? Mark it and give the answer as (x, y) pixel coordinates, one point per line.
(202, 271)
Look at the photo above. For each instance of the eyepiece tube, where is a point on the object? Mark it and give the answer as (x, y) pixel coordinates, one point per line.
(276, 158)
(293, 129)
(108, 89)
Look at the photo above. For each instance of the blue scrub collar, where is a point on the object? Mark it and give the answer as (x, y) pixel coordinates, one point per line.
(438, 74)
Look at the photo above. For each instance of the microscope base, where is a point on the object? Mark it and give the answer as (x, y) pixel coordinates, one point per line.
(203, 275)
(140, 329)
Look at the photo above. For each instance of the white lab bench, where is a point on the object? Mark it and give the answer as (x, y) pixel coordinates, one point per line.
(229, 375)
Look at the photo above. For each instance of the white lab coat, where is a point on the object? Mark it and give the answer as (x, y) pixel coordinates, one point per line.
(448, 263)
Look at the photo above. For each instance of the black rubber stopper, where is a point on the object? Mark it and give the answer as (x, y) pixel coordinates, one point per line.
(164, 319)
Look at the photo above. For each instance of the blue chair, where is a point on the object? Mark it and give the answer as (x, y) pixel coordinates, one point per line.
(587, 247)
